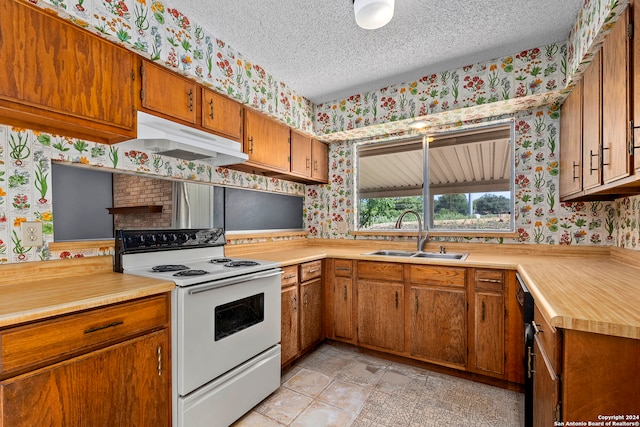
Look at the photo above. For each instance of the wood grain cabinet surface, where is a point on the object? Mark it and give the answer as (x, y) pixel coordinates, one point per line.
(60, 78)
(309, 158)
(302, 310)
(222, 115)
(105, 366)
(266, 141)
(166, 92)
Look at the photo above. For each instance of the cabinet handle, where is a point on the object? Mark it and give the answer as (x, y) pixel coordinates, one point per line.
(396, 299)
(308, 163)
(306, 298)
(536, 328)
(211, 109)
(315, 165)
(417, 306)
(575, 165)
(314, 270)
(344, 292)
(343, 269)
(483, 311)
(295, 303)
(591, 156)
(190, 99)
(602, 159)
(490, 280)
(291, 276)
(99, 328)
(159, 351)
(250, 145)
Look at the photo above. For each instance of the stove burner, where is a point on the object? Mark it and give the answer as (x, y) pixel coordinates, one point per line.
(169, 267)
(191, 273)
(241, 263)
(219, 260)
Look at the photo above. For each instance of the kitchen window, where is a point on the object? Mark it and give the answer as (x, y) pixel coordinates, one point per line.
(471, 185)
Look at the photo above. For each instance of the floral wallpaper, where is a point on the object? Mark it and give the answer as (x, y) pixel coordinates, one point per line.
(539, 218)
(527, 86)
(155, 30)
(25, 181)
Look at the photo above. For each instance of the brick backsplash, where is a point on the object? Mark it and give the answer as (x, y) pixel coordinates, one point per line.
(131, 190)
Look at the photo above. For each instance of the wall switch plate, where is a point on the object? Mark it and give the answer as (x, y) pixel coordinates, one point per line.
(32, 233)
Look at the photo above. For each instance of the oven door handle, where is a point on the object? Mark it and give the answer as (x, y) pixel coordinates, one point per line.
(233, 281)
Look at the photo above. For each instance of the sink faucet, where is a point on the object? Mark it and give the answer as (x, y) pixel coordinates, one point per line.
(421, 239)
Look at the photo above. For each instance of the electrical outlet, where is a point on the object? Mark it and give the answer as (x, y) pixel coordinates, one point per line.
(343, 227)
(32, 233)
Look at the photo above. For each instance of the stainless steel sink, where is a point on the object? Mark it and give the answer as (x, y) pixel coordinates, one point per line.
(386, 252)
(409, 254)
(438, 255)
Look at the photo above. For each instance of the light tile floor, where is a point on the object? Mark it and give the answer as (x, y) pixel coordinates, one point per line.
(339, 386)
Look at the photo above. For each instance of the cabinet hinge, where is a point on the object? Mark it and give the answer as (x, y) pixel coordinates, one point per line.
(630, 31)
(133, 75)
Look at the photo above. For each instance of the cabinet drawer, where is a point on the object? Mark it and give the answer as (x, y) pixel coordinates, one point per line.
(548, 337)
(62, 337)
(380, 271)
(310, 270)
(437, 276)
(289, 275)
(489, 280)
(343, 268)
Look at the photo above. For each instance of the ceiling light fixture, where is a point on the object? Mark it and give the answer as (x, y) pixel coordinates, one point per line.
(373, 14)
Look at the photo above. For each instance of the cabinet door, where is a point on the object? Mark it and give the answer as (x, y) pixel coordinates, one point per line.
(489, 332)
(127, 384)
(591, 124)
(57, 76)
(221, 114)
(545, 389)
(289, 324)
(615, 101)
(166, 92)
(300, 154)
(571, 143)
(310, 313)
(381, 315)
(266, 142)
(343, 308)
(320, 156)
(438, 324)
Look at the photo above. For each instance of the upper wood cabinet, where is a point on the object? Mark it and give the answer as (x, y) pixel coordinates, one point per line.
(616, 58)
(221, 114)
(309, 158)
(608, 164)
(163, 91)
(266, 141)
(571, 143)
(591, 124)
(60, 78)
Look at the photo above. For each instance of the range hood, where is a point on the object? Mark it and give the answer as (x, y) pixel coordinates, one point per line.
(167, 138)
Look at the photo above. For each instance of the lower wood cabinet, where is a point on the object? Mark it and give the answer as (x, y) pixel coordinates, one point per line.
(438, 314)
(112, 372)
(489, 354)
(380, 302)
(302, 310)
(342, 287)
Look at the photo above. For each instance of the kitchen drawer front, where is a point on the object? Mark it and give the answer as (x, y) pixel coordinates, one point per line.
(489, 280)
(62, 337)
(380, 271)
(343, 268)
(437, 276)
(289, 275)
(310, 270)
(549, 338)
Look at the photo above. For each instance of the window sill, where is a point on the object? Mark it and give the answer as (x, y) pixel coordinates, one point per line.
(471, 234)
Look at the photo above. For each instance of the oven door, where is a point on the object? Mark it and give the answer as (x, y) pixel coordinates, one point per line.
(223, 324)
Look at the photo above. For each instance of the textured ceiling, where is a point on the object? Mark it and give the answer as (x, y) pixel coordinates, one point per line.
(316, 48)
